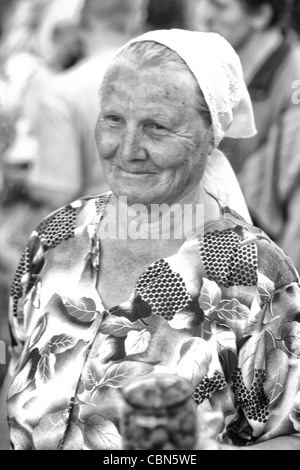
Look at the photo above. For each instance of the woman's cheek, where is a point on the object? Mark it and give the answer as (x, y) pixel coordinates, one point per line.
(170, 155)
(107, 145)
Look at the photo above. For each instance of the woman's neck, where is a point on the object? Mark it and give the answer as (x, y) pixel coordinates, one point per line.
(155, 221)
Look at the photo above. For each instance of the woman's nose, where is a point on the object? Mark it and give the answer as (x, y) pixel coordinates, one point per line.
(132, 147)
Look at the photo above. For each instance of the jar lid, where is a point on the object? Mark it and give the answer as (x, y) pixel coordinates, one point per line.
(157, 390)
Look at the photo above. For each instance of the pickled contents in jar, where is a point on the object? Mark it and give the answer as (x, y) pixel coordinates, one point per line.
(159, 413)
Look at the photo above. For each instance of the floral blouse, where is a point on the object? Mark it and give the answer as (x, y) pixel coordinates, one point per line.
(223, 312)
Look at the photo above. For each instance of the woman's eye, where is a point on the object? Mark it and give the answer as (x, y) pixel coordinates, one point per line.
(156, 127)
(113, 119)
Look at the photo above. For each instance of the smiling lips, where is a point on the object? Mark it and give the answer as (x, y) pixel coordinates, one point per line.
(135, 172)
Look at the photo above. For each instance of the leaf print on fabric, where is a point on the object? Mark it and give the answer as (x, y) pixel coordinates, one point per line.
(36, 295)
(26, 374)
(38, 331)
(35, 249)
(226, 347)
(20, 381)
(50, 431)
(111, 349)
(89, 272)
(20, 435)
(210, 296)
(118, 374)
(101, 434)
(195, 358)
(284, 305)
(224, 336)
(256, 317)
(264, 287)
(45, 369)
(32, 356)
(74, 439)
(291, 337)
(119, 326)
(247, 358)
(36, 257)
(253, 357)
(134, 309)
(82, 310)
(235, 315)
(266, 345)
(58, 310)
(33, 340)
(232, 311)
(61, 343)
(189, 317)
(277, 368)
(46, 365)
(137, 342)
(58, 344)
(295, 413)
(92, 375)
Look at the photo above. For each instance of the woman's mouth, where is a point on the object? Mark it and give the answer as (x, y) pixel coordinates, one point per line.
(135, 172)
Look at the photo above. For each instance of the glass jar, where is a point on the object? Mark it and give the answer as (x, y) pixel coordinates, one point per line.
(158, 413)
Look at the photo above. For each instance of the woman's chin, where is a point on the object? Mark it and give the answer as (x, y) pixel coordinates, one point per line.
(136, 198)
(140, 195)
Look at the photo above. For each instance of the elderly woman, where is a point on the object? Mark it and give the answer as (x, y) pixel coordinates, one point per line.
(160, 274)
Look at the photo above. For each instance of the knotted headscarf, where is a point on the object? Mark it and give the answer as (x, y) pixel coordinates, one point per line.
(218, 71)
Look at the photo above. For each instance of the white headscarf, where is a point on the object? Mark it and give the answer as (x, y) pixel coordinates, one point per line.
(218, 71)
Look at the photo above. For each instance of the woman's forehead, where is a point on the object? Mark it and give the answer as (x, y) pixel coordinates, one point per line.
(127, 75)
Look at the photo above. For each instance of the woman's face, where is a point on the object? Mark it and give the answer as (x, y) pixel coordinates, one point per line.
(229, 18)
(151, 140)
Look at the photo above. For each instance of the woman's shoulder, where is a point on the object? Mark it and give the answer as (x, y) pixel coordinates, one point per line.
(62, 222)
(241, 253)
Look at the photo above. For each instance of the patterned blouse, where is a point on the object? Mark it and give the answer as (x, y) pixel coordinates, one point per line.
(223, 312)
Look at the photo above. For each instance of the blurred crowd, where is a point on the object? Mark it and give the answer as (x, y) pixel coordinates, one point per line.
(38, 40)
(53, 54)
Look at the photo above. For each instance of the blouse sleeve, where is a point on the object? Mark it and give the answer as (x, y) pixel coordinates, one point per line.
(268, 384)
(253, 321)
(16, 315)
(267, 381)
(24, 285)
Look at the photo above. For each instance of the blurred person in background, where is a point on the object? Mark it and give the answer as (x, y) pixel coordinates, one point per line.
(38, 39)
(268, 164)
(67, 165)
(295, 17)
(4, 6)
(165, 14)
